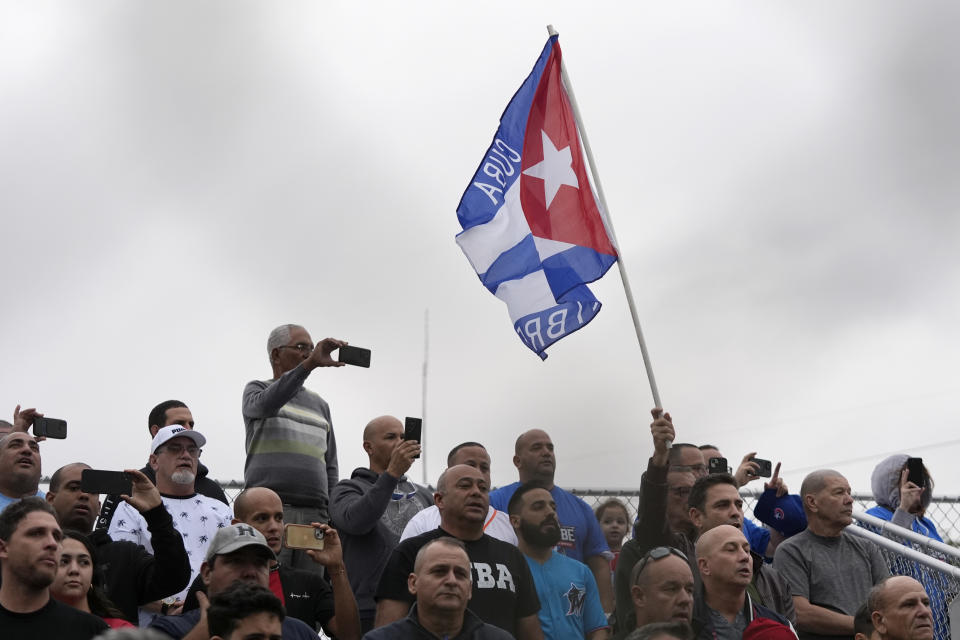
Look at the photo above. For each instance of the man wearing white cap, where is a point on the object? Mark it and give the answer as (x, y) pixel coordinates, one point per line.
(238, 553)
(174, 456)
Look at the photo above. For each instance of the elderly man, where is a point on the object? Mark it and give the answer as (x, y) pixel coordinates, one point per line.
(174, 454)
(29, 553)
(167, 413)
(289, 433)
(829, 570)
(305, 594)
(497, 524)
(441, 583)
(371, 509)
(724, 608)
(132, 576)
(662, 590)
(503, 590)
(569, 600)
(900, 610)
(236, 553)
(581, 536)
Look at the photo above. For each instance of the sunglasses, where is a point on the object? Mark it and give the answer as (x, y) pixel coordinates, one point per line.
(657, 553)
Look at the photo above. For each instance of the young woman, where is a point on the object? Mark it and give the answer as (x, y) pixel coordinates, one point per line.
(78, 583)
(614, 522)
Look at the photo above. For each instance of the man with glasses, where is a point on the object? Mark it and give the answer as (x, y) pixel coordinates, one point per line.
(175, 453)
(662, 588)
(289, 434)
(165, 414)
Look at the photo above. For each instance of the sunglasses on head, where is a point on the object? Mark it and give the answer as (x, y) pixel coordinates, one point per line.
(657, 553)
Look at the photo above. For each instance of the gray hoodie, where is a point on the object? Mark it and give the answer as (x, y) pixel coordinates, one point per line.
(369, 512)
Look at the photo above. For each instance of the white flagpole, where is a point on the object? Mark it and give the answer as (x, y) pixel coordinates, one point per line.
(608, 223)
(423, 399)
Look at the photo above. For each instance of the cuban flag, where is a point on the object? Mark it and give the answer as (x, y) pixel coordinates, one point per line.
(532, 226)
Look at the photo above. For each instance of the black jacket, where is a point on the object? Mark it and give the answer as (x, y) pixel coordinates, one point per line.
(703, 624)
(134, 577)
(409, 629)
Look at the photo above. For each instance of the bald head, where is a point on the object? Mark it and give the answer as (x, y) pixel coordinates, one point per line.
(534, 458)
(710, 540)
(723, 557)
(816, 481)
(900, 609)
(252, 497)
(381, 437)
(378, 425)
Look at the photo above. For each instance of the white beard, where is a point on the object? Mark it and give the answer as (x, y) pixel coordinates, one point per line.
(183, 477)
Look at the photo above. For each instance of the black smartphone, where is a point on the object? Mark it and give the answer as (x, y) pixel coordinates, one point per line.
(95, 481)
(50, 428)
(717, 465)
(412, 429)
(916, 473)
(357, 356)
(766, 469)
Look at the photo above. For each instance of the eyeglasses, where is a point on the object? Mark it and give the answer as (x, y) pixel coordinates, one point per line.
(657, 553)
(176, 449)
(302, 347)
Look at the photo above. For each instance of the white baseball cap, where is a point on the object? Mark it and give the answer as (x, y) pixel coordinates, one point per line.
(175, 431)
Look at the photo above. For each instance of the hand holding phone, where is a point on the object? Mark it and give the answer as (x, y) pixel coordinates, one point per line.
(95, 481)
(718, 465)
(765, 468)
(413, 430)
(916, 473)
(357, 356)
(302, 536)
(50, 428)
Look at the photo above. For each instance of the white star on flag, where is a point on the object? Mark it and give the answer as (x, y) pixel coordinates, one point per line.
(555, 169)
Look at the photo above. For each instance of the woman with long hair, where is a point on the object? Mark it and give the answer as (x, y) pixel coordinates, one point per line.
(79, 584)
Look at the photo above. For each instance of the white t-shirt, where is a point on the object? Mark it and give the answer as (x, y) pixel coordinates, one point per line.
(196, 517)
(497, 524)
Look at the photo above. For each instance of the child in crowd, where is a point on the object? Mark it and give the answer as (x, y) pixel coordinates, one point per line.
(613, 517)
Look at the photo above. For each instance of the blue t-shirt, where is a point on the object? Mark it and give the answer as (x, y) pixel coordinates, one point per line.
(6, 501)
(580, 534)
(758, 537)
(569, 601)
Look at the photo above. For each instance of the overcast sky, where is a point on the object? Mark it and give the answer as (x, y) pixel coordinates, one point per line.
(177, 178)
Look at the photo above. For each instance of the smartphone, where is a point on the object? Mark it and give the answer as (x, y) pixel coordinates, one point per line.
(718, 465)
(357, 356)
(915, 472)
(95, 481)
(413, 429)
(766, 469)
(302, 536)
(50, 428)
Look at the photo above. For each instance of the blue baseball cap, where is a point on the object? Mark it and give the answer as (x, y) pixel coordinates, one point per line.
(783, 514)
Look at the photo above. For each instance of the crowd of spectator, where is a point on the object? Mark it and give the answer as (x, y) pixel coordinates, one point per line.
(173, 558)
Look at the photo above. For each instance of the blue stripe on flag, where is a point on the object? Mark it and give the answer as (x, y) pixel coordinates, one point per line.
(500, 167)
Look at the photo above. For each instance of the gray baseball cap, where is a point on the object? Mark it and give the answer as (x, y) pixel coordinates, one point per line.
(237, 536)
